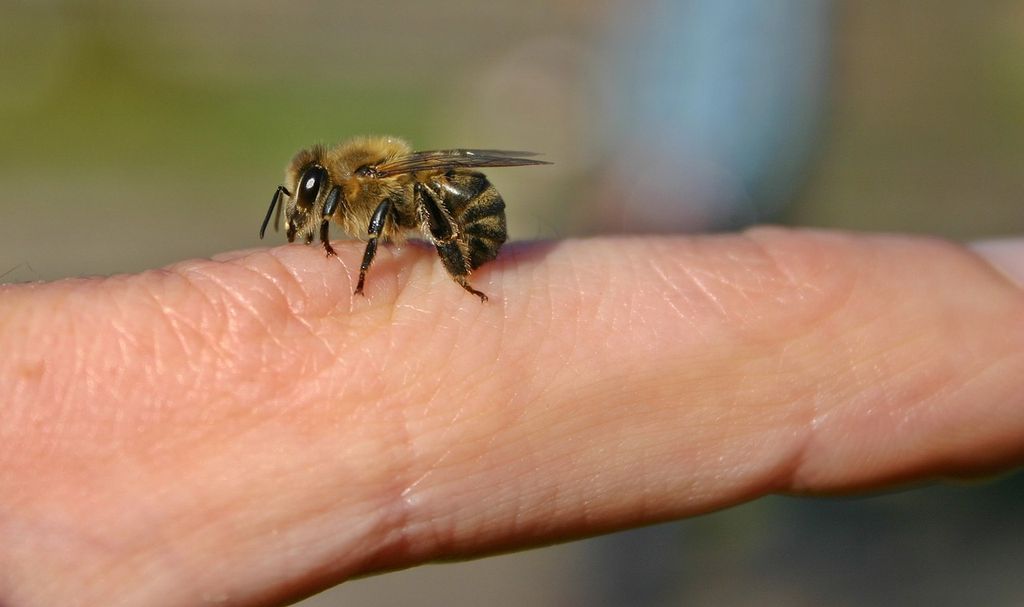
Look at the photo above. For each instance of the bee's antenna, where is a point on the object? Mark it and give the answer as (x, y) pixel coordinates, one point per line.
(270, 211)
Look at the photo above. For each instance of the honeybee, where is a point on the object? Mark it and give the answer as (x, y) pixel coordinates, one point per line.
(378, 188)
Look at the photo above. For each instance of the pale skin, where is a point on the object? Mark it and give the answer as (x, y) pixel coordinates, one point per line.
(246, 431)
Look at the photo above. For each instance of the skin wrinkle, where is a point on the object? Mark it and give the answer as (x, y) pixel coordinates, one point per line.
(409, 290)
(931, 405)
(608, 312)
(808, 411)
(875, 367)
(310, 291)
(221, 298)
(440, 525)
(267, 317)
(801, 434)
(709, 294)
(124, 340)
(187, 357)
(822, 252)
(743, 276)
(799, 284)
(230, 372)
(174, 323)
(408, 493)
(529, 498)
(823, 411)
(541, 380)
(48, 381)
(280, 274)
(59, 422)
(170, 317)
(887, 362)
(989, 368)
(549, 323)
(410, 278)
(671, 284)
(219, 314)
(171, 348)
(927, 381)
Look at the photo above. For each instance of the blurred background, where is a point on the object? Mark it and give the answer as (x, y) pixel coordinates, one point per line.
(133, 135)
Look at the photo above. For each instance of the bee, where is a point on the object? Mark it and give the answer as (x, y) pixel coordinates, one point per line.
(378, 188)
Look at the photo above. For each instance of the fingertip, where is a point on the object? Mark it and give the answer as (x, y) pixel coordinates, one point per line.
(1006, 255)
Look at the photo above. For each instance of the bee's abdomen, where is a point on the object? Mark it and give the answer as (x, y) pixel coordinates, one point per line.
(480, 210)
(484, 225)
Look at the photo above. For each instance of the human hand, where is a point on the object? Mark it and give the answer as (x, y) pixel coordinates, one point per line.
(245, 431)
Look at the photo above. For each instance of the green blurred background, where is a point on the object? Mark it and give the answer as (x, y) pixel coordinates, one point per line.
(138, 134)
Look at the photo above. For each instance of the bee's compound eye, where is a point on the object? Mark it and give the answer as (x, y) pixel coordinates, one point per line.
(310, 183)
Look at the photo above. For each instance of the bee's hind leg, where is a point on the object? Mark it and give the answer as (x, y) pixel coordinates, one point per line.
(457, 264)
(453, 251)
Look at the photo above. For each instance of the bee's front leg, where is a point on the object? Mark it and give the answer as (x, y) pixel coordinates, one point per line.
(330, 206)
(325, 227)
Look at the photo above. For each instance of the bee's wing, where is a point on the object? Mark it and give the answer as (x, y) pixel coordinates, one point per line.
(455, 159)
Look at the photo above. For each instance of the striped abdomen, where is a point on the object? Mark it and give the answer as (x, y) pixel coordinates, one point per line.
(478, 208)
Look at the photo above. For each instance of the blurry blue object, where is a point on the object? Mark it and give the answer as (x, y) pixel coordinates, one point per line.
(719, 103)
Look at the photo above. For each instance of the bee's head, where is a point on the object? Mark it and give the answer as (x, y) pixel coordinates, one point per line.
(306, 191)
(304, 209)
